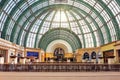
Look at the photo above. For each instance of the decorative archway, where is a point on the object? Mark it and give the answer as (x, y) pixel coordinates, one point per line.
(59, 43)
(60, 34)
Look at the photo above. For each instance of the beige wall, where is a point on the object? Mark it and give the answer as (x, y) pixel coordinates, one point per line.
(117, 47)
(80, 52)
(15, 49)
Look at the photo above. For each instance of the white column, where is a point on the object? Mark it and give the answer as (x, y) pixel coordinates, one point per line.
(68, 60)
(23, 61)
(1, 60)
(15, 60)
(51, 60)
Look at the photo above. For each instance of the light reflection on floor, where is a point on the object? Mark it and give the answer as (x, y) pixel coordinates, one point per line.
(59, 75)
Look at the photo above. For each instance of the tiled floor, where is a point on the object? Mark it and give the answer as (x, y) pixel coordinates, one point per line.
(59, 75)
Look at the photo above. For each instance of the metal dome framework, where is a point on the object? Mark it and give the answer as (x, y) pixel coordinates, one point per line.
(95, 22)
(60, 34)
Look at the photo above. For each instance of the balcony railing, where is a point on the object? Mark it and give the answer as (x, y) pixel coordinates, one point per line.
(59, 67)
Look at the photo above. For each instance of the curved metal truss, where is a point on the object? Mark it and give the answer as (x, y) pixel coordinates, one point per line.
(95, 22)
(62, 34)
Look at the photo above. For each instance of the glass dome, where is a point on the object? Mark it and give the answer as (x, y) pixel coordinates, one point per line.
(95, 22)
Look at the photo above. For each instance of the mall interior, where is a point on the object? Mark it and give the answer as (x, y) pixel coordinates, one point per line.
(60, 31)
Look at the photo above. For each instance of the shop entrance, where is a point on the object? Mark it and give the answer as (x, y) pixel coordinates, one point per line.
(59, 54)
(108, 54)
(119, 55)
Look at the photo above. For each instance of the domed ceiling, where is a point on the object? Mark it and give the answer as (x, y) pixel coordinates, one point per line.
(91, 23)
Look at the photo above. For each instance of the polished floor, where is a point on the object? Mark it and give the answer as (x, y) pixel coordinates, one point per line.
(59, 75)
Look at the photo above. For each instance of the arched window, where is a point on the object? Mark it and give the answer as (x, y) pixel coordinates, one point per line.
(93, 55)
(86, 56)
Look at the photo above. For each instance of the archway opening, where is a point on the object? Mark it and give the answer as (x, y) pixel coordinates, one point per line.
(59, 54)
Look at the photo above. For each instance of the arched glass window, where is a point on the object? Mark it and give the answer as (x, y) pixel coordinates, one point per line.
(86, 56)
(93, 55)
